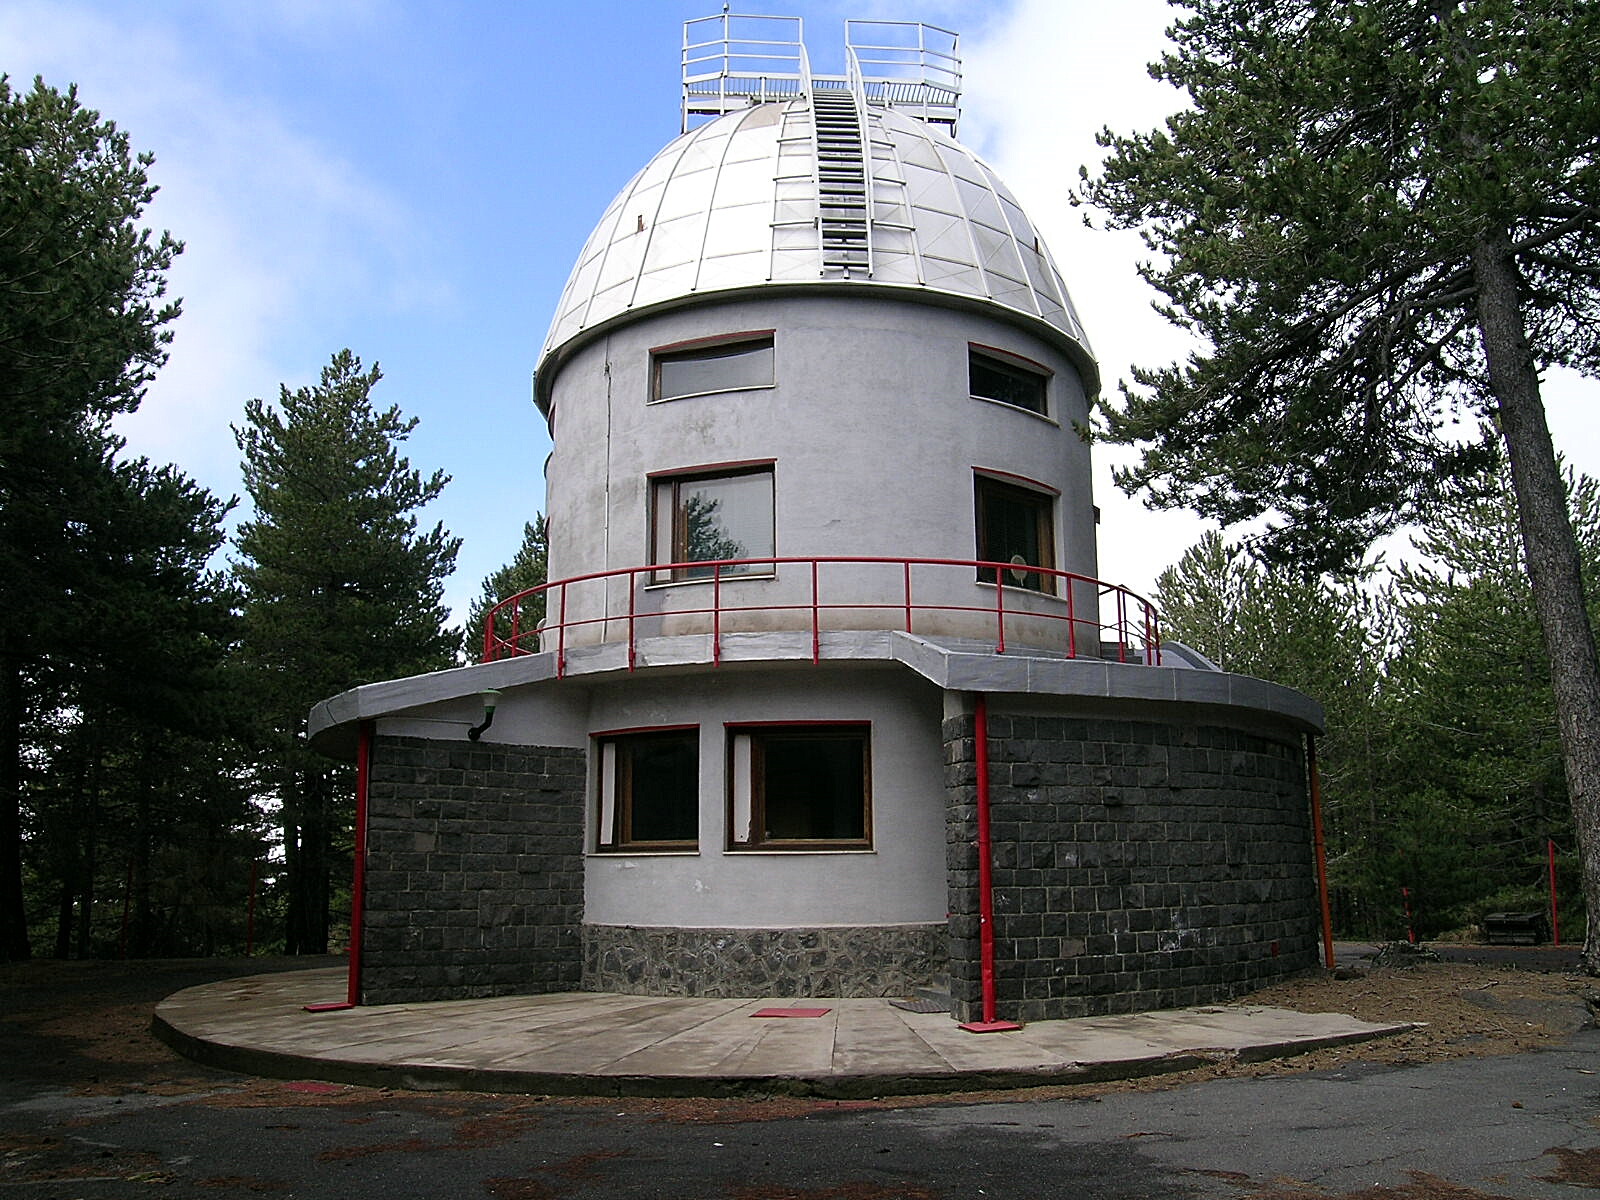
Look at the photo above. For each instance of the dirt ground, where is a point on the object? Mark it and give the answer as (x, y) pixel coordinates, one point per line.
(86, 1025)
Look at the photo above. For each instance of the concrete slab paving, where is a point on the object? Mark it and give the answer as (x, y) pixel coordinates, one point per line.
(606, 1044)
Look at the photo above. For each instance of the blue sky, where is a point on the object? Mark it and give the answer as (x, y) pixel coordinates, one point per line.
(414, 181)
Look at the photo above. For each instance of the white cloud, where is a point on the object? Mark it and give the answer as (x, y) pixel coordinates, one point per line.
(279, 230)
(1039, 86)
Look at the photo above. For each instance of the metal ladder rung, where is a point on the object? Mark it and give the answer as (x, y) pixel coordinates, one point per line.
(843, 202)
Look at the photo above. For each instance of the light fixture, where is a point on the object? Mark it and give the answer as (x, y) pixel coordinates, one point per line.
(490, 698)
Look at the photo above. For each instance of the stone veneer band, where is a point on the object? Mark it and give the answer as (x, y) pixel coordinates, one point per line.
(884, 960)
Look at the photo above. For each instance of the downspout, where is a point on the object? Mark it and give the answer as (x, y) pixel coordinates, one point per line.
(990, 1023)
(358, 882)
(1322, 849)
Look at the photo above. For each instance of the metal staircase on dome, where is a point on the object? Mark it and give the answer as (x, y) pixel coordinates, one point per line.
(731, 62)
(842, 185)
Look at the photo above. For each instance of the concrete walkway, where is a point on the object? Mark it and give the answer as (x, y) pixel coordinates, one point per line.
(585, 1043)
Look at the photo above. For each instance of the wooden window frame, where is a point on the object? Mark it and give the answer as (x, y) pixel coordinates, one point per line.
(749, 809)
(666, 490)
(614, 812)
(1015, 366)
(704, 349)
(1044, 501)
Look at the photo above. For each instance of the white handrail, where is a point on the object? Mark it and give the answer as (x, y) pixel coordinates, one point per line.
(746, 58)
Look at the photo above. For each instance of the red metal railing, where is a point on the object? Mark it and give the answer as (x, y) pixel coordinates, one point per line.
(1132, 631)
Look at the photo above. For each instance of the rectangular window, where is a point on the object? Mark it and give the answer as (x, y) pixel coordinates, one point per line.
(1015, 525)
(722, 366)
(710, 517)
(991, 377)
(800, 787)
(649, 790)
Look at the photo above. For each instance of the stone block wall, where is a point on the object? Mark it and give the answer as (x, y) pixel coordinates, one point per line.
(1137, 864)
(873, 960)
(474, 870)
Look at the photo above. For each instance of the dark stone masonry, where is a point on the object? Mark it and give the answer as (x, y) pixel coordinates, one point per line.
(1137, 864)
(474, 870)
(887, 960)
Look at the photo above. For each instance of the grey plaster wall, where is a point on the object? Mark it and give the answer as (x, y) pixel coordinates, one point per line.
(874, 440)
(877, 960)
(899, 881)
(1137, 864)
(474, 870)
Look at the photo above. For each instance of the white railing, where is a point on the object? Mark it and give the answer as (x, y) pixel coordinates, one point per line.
(733, 60)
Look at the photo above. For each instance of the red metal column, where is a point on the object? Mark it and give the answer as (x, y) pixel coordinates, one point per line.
(358, 882)
(990, 1023)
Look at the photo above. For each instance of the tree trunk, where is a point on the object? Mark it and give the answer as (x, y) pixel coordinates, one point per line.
(143, 915)
(64, 910)
(1551, 551)
(293, 899)
(306, 921)
(91, 853)
(316, 833)
(14, 945)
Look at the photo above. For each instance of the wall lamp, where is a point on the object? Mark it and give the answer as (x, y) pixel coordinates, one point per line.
(490, 698)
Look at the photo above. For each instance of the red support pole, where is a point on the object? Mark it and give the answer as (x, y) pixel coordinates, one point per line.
(990, 1023)
(633, 640)
(358, 881)
(1555, 924)
(908, 594)
(816, 617)
(1405, 897)
(1072, 617)
(1122, 625)
(716, 614)
(999, 612)
(561, 637)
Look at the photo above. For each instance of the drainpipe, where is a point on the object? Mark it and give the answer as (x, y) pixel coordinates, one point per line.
(1322, 849)
(989, 1024)
(358, 882)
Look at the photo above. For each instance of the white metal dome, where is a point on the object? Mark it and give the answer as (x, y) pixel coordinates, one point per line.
(745, 202)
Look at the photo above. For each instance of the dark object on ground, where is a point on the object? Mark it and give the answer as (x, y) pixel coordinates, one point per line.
(1403, 954)
(1515, 929)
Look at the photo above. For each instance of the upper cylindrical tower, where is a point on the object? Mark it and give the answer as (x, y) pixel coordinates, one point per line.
(818, 328)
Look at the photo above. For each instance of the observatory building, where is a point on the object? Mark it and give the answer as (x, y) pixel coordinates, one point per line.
(825, 697)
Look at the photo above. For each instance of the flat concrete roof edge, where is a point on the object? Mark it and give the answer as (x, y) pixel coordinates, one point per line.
(958, 669)
(332, 723)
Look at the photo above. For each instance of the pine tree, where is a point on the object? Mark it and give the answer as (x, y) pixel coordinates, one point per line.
(1474, 710)
(340, 589)
(1327, 638)
(83, 327)
(528, 568)
(1382, 220)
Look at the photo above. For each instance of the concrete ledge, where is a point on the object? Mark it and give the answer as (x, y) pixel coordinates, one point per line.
(958, 666)
(608, 1045)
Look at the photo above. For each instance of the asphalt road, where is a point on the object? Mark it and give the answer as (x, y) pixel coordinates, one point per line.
(132, 1122)
(1522, 1125)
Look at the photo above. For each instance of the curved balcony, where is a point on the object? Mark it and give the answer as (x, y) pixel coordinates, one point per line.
(1058, 613)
